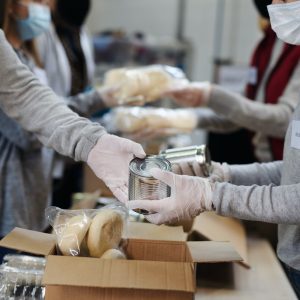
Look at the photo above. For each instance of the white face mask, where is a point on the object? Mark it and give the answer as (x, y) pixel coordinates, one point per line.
(285, 21)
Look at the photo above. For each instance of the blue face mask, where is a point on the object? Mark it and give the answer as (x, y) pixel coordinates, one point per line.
(38, 21)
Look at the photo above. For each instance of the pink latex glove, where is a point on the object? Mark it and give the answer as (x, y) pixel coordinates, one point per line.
(191, 95)
(109, 160)
(189, 197)
(219, 172)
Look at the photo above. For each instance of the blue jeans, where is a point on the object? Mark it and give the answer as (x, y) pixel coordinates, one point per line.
(294, 277)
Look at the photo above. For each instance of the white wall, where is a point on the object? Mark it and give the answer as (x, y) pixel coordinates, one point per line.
(158, 17)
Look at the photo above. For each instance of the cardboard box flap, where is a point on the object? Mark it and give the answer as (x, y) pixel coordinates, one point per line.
(149, 231)
(217, 228)
(123, 274)
(29, 241)
(213, 252)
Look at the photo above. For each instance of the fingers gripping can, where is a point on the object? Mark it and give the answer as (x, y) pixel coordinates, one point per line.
(142, 185)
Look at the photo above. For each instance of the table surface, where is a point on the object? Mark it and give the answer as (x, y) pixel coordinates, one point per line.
(265, 280)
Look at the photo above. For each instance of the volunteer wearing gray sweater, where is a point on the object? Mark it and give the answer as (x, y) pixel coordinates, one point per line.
(267, 192)
(40, 111)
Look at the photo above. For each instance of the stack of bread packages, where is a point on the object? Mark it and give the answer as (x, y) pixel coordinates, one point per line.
(90, 233)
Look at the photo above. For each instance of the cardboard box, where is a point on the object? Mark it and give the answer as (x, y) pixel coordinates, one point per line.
(154, 270)
(212, 227)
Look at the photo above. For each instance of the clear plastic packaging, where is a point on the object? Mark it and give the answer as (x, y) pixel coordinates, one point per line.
(134, 119)
(21, 277)
(88, 232)
(143, 84)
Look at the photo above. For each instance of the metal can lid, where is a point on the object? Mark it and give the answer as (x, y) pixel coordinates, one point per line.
(141, 167)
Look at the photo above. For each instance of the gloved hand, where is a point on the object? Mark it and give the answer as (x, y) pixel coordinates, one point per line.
(109, 160)
(189, 197)
(191, 95)
(108, 96)
(219, 172)
(146, 134)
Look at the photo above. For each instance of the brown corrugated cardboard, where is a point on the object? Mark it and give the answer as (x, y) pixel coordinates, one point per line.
(154, 269)
(153, 232)
(217, 228)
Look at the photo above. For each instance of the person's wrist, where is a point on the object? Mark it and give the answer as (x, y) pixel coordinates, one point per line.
(204, 92)
(226, 172)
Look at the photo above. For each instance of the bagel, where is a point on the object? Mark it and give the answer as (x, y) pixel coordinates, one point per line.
(105, 232)
(113, 254)
(69, 242)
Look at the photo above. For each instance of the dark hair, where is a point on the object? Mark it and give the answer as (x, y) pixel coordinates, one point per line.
(3, 13)
(74, 12)
(261, 6)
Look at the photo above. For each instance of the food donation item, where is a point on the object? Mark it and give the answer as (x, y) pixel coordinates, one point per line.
(142, 185)
(113, 254)
(133, 119)
(143, 84)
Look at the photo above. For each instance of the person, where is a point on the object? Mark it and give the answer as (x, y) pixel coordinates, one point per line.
(277, 70)
(66, 54)
(40, 111)
(65, 48)
(266, 192)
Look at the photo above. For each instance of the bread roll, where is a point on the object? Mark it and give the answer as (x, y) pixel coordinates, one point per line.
(105, 232)
(69, 242)
(113, 254)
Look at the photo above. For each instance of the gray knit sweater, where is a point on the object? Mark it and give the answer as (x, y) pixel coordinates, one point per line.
(269, 192)
(25, 166)
(40, 111)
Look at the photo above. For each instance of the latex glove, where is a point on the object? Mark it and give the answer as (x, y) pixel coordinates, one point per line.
(219, 172)
(110, 159)
(109, 96)
(189, 197)
(192, 95)
(147, 134)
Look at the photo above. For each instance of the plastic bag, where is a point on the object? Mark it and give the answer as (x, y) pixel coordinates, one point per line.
(135, 119)
(88, 232)
(143, 84)
(21, 277)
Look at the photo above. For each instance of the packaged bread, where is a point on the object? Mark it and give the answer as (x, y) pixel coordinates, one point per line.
(113, 254)
(89, 232)
(133, 119)
(105, 232)
(143, 84)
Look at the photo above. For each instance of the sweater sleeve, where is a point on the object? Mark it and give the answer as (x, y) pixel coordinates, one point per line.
(86, 104)
(40, 111)
(269, 119)
(209, 120)
(273, 204)
(261, 174)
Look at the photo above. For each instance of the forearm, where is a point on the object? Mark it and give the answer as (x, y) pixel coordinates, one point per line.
(86, 104)
(209, 120)
(257, 173)
(272, 120)
(272, 204)
(40, 111)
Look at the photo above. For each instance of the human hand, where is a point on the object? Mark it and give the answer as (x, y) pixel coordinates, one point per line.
(191, 95)
(189, 197)
(110, 158)
(218, 172)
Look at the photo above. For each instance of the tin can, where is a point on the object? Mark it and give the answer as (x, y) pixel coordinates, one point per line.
(142, 185)
(190, 154)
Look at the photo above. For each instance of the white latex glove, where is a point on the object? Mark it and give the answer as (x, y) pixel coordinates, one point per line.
(147, 133)
(189, 197)
(191, 95)
(109, 160)
(109, 96)
(219, 172)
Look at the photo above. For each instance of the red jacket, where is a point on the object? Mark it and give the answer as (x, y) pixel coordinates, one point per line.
(278, 78)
